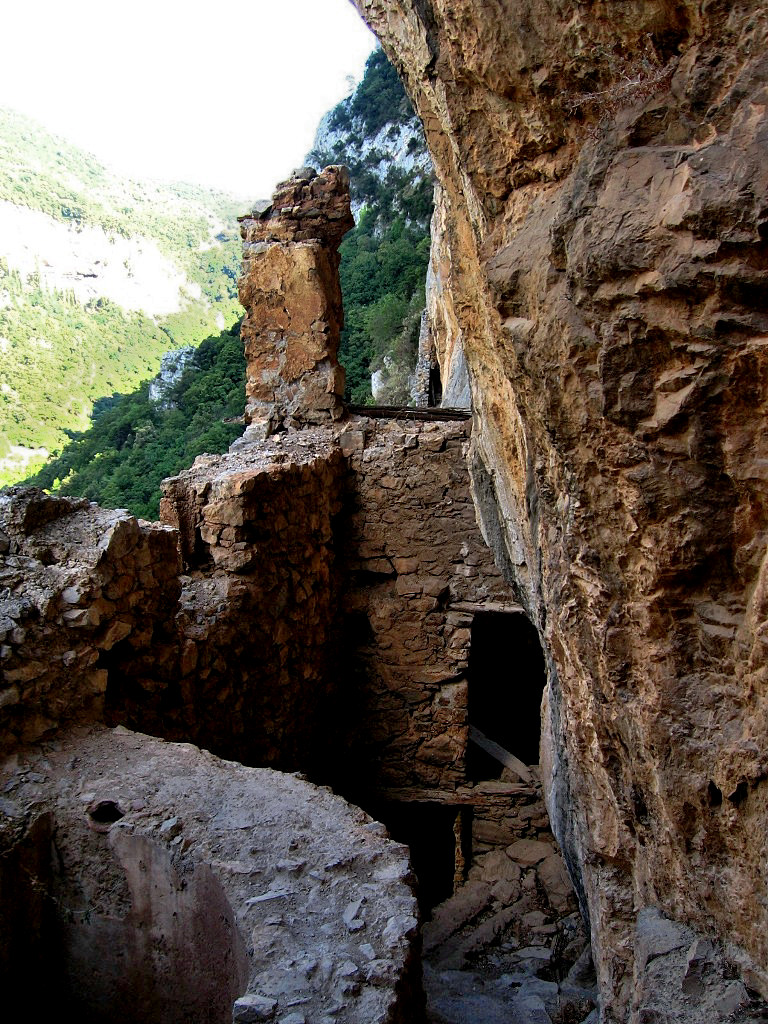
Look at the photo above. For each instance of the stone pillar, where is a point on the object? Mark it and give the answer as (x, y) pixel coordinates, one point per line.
(292, 298)
(421, 375)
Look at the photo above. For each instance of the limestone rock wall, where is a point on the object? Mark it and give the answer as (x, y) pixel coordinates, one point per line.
(603, 210)
(83, 591)
(290, 290)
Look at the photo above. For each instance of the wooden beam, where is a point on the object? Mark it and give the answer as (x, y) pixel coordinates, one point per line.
(507, 607)
(500, 754)
(397, 412)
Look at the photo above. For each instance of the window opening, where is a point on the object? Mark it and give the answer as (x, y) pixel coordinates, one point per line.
(435, 386)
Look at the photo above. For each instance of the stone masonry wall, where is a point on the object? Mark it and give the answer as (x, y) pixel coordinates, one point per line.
(83, 589)
(258, 603)
(412, 551)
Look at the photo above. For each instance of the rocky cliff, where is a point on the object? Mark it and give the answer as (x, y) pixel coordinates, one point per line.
(601, 265)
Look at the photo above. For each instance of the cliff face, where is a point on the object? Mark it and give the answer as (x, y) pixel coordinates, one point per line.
(602, 254)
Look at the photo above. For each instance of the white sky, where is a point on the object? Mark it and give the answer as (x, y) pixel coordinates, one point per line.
(227, 93)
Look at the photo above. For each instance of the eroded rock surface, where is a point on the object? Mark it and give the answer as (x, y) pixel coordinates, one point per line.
(602, 258)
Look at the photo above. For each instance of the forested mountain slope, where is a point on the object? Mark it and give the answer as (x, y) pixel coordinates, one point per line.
(136, 440)
(133, 441)
(99, 276)
(384, 258)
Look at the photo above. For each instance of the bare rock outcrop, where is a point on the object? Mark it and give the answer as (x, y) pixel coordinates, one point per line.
(602, 254)
(290, 289)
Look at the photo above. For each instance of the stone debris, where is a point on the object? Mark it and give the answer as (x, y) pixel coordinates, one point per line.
(251, 1008)
(502, 948)
(83, 591)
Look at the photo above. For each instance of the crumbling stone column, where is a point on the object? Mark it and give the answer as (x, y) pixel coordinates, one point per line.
(292, 297)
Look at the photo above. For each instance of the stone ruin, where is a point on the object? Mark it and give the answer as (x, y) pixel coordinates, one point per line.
(291, 293)
(318, 600)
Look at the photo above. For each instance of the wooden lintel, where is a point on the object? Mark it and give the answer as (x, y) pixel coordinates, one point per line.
(397, 412)
(507, 607)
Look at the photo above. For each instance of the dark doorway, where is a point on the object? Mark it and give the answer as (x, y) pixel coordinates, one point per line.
(506, 681)
(435, 387)
(431, 832)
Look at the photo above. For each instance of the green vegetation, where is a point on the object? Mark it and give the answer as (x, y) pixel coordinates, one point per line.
(58, 356)
(379, 99)
(133, 444)
(384, 258)
(382, 280)
(45, 172)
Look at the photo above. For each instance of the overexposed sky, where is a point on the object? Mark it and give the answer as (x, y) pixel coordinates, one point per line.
(226, 93)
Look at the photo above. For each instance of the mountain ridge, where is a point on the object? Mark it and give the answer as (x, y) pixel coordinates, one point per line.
(100, 275)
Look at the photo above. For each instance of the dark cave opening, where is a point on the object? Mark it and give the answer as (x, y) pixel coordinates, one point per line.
(506, 678)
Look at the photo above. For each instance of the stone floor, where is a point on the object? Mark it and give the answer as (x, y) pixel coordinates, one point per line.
(504, 951)
(143, 880)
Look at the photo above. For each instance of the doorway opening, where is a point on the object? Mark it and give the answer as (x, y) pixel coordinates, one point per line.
(438, 836)
(435, 387)
(506, 678)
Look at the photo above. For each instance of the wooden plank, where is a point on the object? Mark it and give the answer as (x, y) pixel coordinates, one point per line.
(398, 412)
(507, 607)
(500, 754)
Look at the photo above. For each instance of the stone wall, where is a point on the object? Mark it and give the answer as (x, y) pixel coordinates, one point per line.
(84, 591)
(257, 623)
(412, 551)
(322, 619)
